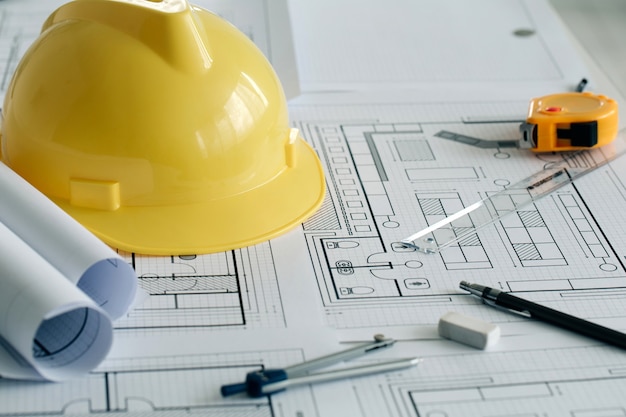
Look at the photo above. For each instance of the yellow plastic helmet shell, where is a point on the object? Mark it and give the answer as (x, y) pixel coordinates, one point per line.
(160, 127)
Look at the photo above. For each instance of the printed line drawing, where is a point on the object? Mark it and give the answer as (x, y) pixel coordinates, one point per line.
(167, 386)
(235, 288)
(357, 257)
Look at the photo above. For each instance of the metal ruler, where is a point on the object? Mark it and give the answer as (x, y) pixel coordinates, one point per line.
(469, 220)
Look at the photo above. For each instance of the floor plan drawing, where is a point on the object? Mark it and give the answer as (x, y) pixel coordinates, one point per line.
(556, 246)
(449, 382)
(160, 386)
(236, 289)
(474, 387)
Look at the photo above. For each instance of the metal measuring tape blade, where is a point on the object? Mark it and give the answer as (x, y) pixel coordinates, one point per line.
(469, 220)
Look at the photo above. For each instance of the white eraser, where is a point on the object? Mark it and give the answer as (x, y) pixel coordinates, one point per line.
(468, 330)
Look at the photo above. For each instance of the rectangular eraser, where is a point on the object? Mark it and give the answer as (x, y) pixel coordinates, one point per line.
(468, 330)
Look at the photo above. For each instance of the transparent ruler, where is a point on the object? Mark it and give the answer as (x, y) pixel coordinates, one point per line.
(468, 221)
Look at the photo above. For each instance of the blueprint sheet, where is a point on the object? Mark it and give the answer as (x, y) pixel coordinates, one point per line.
(381, 81)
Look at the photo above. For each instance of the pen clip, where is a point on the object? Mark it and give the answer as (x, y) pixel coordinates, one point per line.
(522, 313)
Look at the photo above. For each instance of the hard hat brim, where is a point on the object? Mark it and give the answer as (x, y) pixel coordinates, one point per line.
(215, 226)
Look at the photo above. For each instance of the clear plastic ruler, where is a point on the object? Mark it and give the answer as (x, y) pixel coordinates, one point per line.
(469, 220)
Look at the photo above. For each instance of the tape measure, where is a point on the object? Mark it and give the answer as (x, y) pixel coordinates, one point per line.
(580, 121)
(569, 122)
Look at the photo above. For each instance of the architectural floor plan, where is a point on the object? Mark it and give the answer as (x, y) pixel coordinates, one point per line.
(555, 250)
(237, 288)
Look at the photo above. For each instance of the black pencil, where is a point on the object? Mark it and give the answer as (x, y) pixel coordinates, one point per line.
(497, 298)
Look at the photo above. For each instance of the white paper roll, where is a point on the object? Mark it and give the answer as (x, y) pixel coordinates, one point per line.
(60, 288)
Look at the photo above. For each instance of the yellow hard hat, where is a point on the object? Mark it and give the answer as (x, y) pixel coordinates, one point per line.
(160, 127)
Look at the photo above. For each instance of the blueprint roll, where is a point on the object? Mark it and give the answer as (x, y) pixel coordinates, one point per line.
(61, 288)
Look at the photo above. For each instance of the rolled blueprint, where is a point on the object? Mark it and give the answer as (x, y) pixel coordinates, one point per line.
(61, 288)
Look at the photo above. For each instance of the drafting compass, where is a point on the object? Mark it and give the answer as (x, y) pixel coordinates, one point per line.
(270, 381)
(581, 124)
